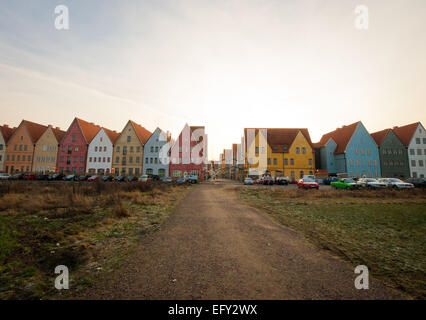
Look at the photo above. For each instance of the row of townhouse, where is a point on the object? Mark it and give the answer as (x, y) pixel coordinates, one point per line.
(350, 150)
(89, 148)
(394, 152)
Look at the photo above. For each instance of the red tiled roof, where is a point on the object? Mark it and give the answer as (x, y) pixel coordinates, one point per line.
(90, 130)
(7, 132)
(142, 133)
(112, 135)
(341, 137)
(35, 130)
(379, 136)
(281, 137)
(405, 133)
(58, 133)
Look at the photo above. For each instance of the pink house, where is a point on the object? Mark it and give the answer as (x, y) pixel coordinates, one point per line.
(189, 153)
(72, 154)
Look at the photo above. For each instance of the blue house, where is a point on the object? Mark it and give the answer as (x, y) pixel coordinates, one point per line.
(349, 150)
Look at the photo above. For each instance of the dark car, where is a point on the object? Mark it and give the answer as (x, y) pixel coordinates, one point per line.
(282, 180)
(107, 178)
(56, 176)
(329, 180)
(29, 176)
(154, 177)
(83, 177)
(267, 180)
(42, 177)
(70, 177)
(132, 178)
(181, 180)
(119, 178)
(18, 176)
(418, 182)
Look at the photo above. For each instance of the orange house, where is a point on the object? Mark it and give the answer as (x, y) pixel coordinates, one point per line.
(20, 147)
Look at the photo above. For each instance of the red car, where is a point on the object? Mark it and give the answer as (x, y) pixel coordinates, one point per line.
(307, 184)
(93, 178)
(29, 177)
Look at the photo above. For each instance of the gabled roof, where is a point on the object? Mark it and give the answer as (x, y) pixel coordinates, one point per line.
(7, 132)
(379, 136)
(341, 137)
(112, 135)
(142, 133)
(406, 133)
(89, 129)
(35, 130)
(281, 137)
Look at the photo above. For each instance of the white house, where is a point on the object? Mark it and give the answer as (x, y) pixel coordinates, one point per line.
(156, 154)
(99, 153)
(413, 136)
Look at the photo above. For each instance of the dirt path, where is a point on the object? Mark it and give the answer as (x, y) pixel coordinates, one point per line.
(214, 247)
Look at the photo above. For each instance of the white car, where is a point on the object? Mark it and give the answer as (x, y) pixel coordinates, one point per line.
(396, 183)
(4, 176)
(371, 183)
(248, 181)
(144, 178)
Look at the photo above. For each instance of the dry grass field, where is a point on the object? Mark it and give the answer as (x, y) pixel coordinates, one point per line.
(383, 229)
(89, 227)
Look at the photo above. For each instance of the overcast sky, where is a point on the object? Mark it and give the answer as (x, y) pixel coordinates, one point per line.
(220, 63)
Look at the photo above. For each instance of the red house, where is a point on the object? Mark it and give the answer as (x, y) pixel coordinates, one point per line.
(72, 154)
(188, 155)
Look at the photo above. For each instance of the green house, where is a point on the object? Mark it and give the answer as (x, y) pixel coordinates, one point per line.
(393, 155)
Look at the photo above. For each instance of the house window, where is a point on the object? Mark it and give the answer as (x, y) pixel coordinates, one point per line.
(256, 150)
(156, 160)
(90, 159)
(356, 150)
(375, 163)
(274, 148)
(73, 139)
(417, 140)
(96, 149)
(304, 150)
(129, 138)
(390, 163)
(351, 162)
(424, 140)
(413, 163)
(138, 149)
(369, 163)
(420, 163)
(131, 149)
(368, 151)
(357, 163)
(176, 173)
(297, 150)
(150, 160)
(262, 150)
(136, 170)
(275, 161)
(285, 161)
(117, 159)
(269, 161)
(301, 174)
(118, 148)
(412, 152)
(292, 161)
(419, 152)
(76, 149)
(130, 170)
(146, 160)
(414, 174)
(152, 149)
(310, 162)
(362, 151)
(137, 159)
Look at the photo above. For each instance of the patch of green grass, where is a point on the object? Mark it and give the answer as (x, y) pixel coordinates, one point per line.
(386, 235)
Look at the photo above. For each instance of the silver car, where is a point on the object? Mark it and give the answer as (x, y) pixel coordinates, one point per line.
(396, 183)
(371, 183)
(4, 176)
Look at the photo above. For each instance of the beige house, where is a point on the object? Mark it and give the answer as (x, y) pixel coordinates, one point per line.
(127, 157)
(5, 133)
(46, 150)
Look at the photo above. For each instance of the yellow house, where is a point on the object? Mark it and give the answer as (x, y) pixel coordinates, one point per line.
(284, 152)
(127, 158)
(46, 150)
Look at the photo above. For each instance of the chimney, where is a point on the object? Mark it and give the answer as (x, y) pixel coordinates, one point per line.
(49, 126)
(6, 126)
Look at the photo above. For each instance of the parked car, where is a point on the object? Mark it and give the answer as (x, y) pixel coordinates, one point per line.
(29, 176)
(396, 183)
(307, 183)
(154, 177)
(181, 180)
(56, 176)
(309, 176)
(70, 177)
(167, 179)
(107, 178)
(93, 178)
(4, 176)
(267, 180)
(192, 179)
(329, 180)
(42, 177)
(132, 178)
(282, 180)
(248, 181)
(83, 177)
(119, 178)
(17, 176)
(344, 183)
(418, 182)
(144, 178)
(371, 183)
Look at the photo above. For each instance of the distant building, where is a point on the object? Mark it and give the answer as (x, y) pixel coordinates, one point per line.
(393, 154)
(413, 136)
(5, 134)
(350, 150)
(99, 153)
(157, 154)
(46, 150)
